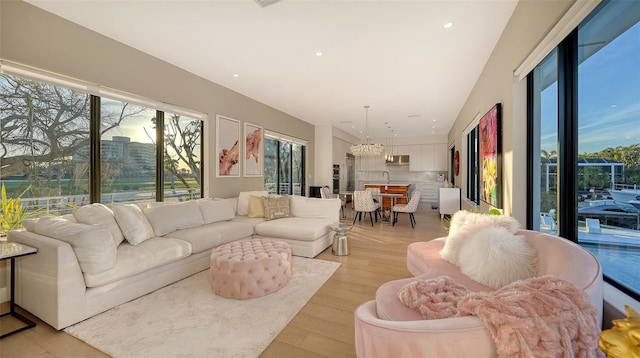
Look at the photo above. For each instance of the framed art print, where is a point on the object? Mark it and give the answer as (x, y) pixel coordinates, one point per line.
(490, 157)
(227, 147)
(253, 149)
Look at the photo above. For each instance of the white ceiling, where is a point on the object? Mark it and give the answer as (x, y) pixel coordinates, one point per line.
(392, 55)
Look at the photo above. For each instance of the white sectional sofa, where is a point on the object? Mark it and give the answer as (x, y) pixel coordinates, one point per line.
(97, 258)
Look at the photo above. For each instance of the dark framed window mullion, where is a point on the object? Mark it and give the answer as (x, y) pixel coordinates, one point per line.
(530, 144)
(159, 156)
(94, 150)
(567, 137)
(303, 166)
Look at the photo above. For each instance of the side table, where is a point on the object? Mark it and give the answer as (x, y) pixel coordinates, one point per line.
(11, 250)
(340, 246)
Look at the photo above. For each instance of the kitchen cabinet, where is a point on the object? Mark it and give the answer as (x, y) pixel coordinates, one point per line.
(428, 157)
(371, 164)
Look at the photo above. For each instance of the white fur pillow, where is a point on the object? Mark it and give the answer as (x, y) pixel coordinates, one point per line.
(464, 223)
(495, 257)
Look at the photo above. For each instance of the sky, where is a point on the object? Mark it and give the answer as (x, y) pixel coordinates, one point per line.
(608, 97)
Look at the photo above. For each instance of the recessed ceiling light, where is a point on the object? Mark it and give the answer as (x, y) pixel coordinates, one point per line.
(236, 75)
(448, 25)
(435, 120)
(318, 53)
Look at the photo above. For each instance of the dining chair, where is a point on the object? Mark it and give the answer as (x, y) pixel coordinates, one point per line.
(363, 203)
(325, 193)
(408, 208)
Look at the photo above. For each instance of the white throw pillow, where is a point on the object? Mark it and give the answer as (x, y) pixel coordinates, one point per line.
(171, 217)
(99, 214)
(315, 208)
(216, 210)
(464, 223)
(134, 225)
(93, 245)
(233, 201)
(495, 257)
(243, 200)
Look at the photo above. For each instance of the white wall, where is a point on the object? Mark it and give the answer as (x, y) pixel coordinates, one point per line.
(324, 155)
(529, 23)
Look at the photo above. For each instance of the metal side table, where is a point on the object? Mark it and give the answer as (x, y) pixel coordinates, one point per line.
(340, 245)
(11, 250)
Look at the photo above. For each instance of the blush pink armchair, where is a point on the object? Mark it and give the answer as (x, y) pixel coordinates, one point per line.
(386, 328)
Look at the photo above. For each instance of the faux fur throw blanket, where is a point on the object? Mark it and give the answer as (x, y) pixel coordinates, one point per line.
(538, 317)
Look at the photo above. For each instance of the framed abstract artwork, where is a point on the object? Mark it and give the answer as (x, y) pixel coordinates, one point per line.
(253, 150)
(491, 156)
(227, 147)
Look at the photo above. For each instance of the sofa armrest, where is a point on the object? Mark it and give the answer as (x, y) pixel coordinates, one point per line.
(49, 284)
(450, 337)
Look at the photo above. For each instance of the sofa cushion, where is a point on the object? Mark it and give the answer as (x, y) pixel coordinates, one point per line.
(132, 260)
(99, 214)
(171, 217)
(93, 245)
(276, 207)
(134, 225)
(302, 229)
(315, 208)
(212, 235)
(233, 201)
(256, 207)
(216, 210)
(243, 200)
(495, 257)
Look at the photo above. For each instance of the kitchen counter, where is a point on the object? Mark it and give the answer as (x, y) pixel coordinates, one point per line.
(388, 184)
(392, 188)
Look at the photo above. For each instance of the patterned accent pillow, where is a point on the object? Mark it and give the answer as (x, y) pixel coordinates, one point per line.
(276, 207)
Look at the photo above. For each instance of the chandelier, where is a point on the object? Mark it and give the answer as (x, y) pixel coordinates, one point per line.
(366, 149)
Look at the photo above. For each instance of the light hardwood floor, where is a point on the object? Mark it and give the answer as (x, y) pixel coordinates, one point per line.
(325, 325)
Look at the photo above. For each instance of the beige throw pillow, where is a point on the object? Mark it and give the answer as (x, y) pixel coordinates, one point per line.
(256, 207)
(276, 207)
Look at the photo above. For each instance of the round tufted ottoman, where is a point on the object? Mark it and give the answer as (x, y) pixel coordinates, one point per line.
(250, 268)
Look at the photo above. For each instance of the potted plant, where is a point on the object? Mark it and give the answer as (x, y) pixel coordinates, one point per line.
(12, 212)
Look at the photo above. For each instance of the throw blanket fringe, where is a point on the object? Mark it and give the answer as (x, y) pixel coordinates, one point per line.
(538, 317)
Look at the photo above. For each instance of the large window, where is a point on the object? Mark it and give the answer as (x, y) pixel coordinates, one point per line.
(545, 148)
(68, 148)
(283, 166)
(586, 108)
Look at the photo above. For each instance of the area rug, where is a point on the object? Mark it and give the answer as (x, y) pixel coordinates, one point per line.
(186, 319)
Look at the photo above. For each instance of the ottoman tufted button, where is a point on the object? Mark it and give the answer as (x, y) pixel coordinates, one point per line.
(250, 268)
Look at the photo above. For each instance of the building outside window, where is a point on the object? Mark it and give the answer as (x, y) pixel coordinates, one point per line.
(45, 148)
